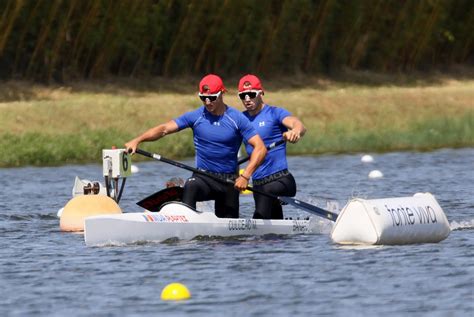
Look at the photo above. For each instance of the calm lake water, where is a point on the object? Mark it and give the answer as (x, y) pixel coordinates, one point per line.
(44, 272)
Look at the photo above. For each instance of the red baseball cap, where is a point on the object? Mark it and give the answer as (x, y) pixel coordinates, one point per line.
(250, 82)
(211, 84)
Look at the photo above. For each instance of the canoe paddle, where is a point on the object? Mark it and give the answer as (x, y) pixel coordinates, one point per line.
(156, 200)
(294, 202)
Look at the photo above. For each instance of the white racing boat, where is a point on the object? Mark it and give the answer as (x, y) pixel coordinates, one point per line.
(397, 220)
(176, 220)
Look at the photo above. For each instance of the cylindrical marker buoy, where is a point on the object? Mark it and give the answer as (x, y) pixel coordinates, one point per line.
(175, 291)
(390, 221)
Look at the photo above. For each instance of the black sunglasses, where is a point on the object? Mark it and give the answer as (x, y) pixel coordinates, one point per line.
(251, 94)
(210, 97)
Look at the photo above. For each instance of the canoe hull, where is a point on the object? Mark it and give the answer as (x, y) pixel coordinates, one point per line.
(178, 221)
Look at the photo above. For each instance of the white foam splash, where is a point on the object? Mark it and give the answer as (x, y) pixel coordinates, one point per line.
(333, 206)
(325, 226)
(358, 246)
(464, 224)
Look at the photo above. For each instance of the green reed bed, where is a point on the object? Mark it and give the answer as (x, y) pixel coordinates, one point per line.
(35, 148)
(56, 125)
(423, 135)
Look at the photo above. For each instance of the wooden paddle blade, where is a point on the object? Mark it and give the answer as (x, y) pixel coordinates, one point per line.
(156, 200)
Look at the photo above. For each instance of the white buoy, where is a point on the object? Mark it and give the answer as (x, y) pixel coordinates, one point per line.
(389, 221)
(367, 159)
(135, 169)
(375, 174)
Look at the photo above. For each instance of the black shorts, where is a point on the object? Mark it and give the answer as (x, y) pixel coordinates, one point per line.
(270, 208)
(201, 188)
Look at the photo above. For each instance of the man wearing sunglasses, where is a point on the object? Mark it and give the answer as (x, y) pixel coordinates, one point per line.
(218, 132)
(272, 124)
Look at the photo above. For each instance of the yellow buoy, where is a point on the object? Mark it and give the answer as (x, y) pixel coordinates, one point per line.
(83, 206)
(245, 192)
(175, 291)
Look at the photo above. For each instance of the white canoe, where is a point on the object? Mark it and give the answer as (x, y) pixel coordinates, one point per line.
(176, 220)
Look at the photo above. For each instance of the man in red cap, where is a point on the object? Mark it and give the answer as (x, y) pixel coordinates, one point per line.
(272, 124)
(218, 132)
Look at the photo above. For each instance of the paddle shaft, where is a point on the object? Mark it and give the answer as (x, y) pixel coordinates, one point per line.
(271, 146)
(149, 202)
(294, 202)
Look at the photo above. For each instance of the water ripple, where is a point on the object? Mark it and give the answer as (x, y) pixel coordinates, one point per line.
(462, 225)
(44, 271)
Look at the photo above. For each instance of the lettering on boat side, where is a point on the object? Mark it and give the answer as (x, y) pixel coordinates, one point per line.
(176, 218)
(242, 224)
(164, 218)
(300, 226)
(414, 215)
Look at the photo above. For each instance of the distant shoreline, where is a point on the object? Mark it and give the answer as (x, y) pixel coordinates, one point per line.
(57, 125)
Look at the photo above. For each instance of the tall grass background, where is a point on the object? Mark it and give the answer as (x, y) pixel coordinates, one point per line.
(51, 125)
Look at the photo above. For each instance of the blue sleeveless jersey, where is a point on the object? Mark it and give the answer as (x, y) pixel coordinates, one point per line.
(268, 123)
(217, 139)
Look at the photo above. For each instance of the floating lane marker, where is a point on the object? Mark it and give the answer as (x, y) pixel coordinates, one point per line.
(175, 291)
(375, 174)
(134, 169)
(367, 159)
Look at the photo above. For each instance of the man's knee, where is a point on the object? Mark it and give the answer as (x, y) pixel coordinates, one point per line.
(191, 186)
(191, 192)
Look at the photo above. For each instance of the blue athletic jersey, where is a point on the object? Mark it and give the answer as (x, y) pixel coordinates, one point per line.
(217, 139)
(269, 125)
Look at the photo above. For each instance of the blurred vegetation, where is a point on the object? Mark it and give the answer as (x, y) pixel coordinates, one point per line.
(363, 75)
(64, 40)
(57, 124)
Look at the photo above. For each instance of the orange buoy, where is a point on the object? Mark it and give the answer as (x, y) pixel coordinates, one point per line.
(83, 206)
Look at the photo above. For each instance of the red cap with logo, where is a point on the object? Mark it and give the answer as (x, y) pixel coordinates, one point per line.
(250, 82)
(211, 84)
